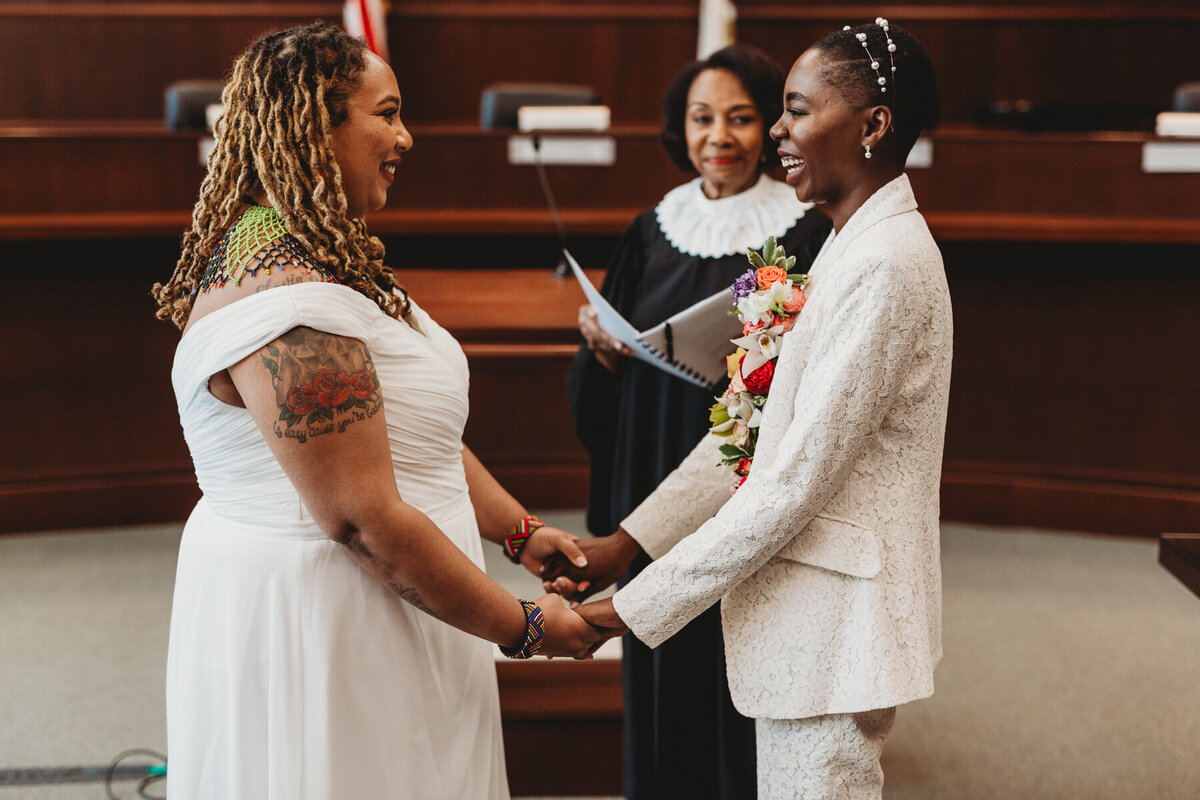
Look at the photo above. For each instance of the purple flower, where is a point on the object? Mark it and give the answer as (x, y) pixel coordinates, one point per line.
(746, 285)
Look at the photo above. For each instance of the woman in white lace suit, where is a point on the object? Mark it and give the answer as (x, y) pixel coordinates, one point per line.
(825, 561)
(331, 621)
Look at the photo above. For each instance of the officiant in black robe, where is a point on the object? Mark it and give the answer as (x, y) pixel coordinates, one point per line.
(683, 737)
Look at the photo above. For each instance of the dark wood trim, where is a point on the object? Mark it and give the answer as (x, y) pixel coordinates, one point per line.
(607, 11)
(1186, 482)
(132, 224)
(90, 502)
(136, 128)
(1179, 553)
(842, 13)
(545, 11)
(985, 227)
(573, 689)
(946, 226)
(446, 11)
(142, 128)
(179, 10)
(1066, 504)
(987, 498)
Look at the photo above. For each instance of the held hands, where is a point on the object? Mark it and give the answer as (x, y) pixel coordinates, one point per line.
(578, 633)
(603, 346)
(567, 634)
(551, 544)
(607, 559)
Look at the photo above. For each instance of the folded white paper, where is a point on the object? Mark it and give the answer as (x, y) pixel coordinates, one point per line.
(691, 345)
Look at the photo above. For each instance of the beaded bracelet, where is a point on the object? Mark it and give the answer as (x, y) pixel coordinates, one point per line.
(514, 543)
(535, 633)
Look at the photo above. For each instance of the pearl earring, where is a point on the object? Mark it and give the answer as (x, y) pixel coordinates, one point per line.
(866, 151)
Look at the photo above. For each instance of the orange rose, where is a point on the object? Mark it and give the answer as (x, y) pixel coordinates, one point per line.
(785, 322)
(768, 275)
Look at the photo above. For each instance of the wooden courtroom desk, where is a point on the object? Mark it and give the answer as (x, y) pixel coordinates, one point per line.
(562, 726)
(1180, 554)
(88, 367)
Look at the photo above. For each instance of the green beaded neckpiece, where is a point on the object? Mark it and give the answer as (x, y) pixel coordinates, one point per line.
(257, 227)
(258, 240)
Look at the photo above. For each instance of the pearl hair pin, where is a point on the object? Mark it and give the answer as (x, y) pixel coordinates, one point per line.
(891, 48)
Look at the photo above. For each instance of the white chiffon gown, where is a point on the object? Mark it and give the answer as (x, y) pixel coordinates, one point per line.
(292, 674)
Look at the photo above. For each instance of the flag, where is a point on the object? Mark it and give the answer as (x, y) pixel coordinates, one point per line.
(367, 19)
(718, 23)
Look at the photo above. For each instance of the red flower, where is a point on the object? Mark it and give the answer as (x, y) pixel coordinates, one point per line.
(301, 400)
(332, 387)
(362, 384)
(743, 466)
(759, 381)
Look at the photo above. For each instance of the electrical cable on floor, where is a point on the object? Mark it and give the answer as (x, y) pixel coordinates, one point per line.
(155, 773)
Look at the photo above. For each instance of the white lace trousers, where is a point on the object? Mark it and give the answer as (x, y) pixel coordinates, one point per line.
(833, 757)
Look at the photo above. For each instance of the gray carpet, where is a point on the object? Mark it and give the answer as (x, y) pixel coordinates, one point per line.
(1072, 665)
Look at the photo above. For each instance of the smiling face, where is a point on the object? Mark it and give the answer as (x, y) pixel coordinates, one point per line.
(820, 138)
(368, 143)
(723, 129)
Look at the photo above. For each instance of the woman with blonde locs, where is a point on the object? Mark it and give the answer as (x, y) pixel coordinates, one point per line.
(331, 619)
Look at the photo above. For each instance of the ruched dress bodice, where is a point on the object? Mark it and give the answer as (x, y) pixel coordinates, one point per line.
(292, 673)
(423, 372)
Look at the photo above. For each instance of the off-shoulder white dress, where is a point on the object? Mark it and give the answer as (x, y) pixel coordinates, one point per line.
(292, 674)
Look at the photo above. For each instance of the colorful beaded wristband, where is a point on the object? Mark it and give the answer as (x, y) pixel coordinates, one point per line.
(535, 633)
(514, 543)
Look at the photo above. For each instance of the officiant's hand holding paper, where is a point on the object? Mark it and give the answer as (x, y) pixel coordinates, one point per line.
(604, 347)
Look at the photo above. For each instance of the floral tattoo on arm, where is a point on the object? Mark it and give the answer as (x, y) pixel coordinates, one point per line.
(323, 383)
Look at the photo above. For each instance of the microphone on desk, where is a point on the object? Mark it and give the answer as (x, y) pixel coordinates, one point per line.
(561, 269)
(534, 112)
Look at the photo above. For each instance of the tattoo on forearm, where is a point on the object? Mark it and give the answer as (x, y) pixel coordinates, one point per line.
(323, 383)
(409, 595)
(379, 567)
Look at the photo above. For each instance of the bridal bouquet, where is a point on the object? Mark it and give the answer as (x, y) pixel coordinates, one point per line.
(766, 301)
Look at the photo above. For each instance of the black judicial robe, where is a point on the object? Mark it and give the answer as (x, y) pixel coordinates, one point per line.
(683, 737)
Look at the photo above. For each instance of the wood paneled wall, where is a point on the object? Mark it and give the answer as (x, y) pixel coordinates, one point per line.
(1071, 270)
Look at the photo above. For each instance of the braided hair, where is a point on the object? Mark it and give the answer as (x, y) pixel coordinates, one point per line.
(285, 95)
(913, 96)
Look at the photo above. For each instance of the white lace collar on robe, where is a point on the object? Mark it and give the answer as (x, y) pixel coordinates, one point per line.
(698, 226)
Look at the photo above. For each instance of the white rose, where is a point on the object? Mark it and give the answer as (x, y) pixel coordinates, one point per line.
(755, 308)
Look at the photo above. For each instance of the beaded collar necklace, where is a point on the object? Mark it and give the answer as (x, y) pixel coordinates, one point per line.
(258, 240)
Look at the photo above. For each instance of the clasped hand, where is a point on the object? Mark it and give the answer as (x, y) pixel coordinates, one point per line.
(572, 569)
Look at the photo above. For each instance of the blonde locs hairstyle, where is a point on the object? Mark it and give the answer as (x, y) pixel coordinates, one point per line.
(285, 95)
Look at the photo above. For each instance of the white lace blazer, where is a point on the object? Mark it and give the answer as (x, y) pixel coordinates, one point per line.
(826, 560)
